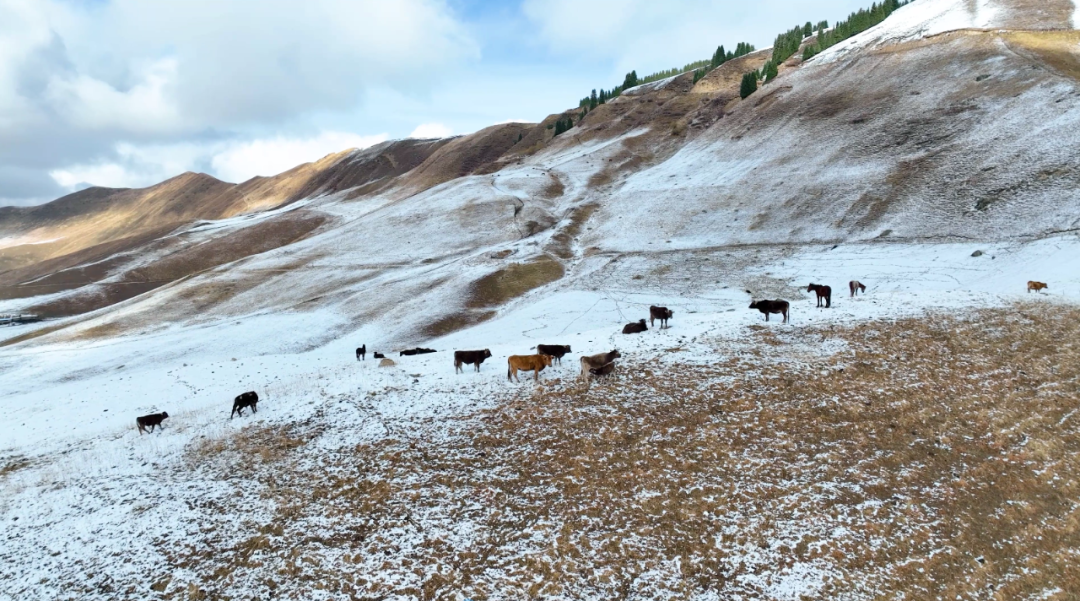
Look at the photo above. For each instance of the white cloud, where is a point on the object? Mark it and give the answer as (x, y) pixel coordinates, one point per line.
(109, 175)
(147, 106)
(431, 130)
(136, 166)
(78, 79)
(235, 62)
(241, 162)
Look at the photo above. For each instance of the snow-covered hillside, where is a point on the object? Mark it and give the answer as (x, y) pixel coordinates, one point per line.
(940, 169)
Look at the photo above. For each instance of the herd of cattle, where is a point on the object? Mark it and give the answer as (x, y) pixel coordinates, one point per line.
(599, 365)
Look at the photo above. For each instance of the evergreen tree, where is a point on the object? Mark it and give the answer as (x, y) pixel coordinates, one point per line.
(718, 57)
(769, 71)
(592, 100)
(630, 81)
(749, 84)
(603, 97)
(807, 30)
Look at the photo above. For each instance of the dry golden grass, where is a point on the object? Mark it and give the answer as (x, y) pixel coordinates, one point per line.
(929, 458)
(512, 281)
(562, 242)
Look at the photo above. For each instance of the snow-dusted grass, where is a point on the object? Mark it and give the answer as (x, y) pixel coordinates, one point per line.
(933, 455)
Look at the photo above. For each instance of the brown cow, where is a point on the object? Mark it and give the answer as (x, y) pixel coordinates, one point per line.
(556, 351)
(635, 328)
(150, 421)
(661, 313)
(856, 286)
(772, 306)
(605, 370)
(1036, 286)
(594, 361)
(823, 293)
(470, 358)
(533, 363)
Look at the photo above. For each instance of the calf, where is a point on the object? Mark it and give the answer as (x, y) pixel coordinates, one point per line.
(603, 371)
(470, 358)
(533, 363)
(360, 352)
(556, 351)
(594, 361)
(379, 355)
(855, 287)
(772, 306)
(823, 293)
(661, 313)
(1036, 286)
(248, 399)
(150, 421)
(635, 328)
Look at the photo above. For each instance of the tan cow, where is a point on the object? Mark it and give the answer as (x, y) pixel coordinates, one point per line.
(534, 363)
(1037, 286)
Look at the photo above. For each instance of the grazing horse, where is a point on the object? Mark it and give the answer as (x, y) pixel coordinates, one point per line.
(772, 306)
(1036, 286)
(248, 399)
(824, 293)
(856, 287)
(661, 313)
(361, 352)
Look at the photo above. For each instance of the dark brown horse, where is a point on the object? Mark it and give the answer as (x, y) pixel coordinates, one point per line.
(823, 293)
(856, 286)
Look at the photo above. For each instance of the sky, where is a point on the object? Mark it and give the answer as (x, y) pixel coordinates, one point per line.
(128, 93)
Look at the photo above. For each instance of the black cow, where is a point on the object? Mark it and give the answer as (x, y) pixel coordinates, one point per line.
(379, 355)
(360, 352)
(661, 313)
(772, 306)
(555, 351)
(248, 399)
(469, 357)
(150, 421)
(416, 351)
(635, 328)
